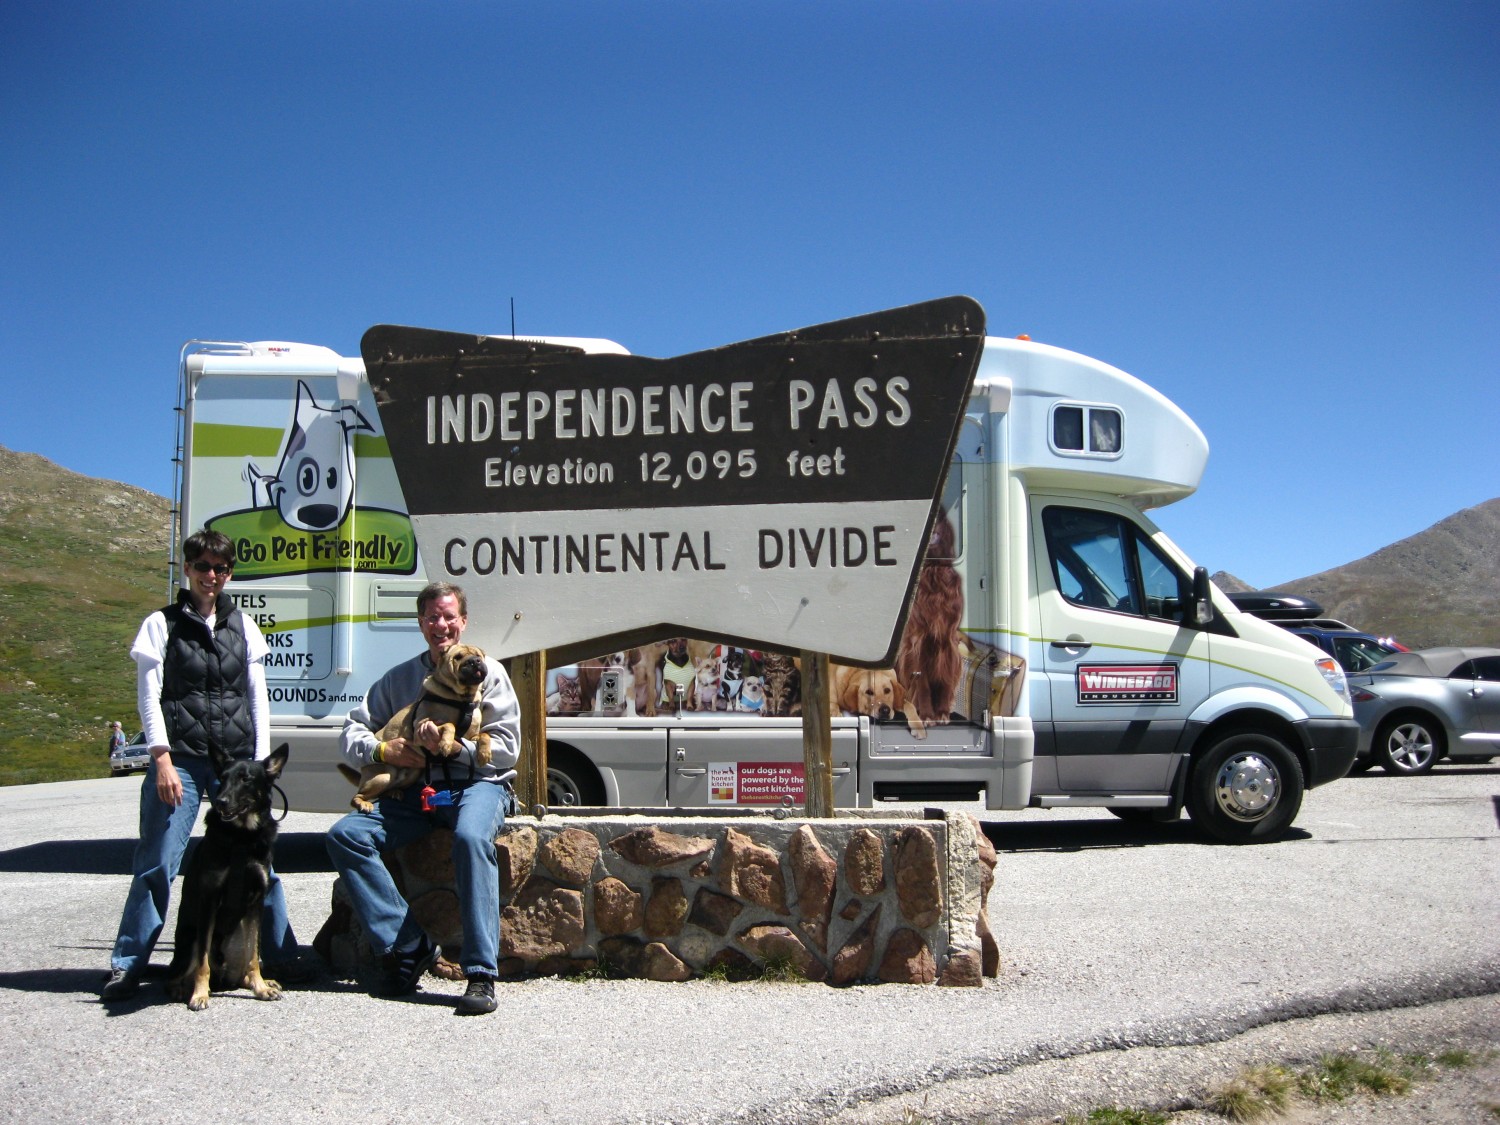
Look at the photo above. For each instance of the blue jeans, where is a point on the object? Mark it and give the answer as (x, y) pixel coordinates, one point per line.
(165, 832)
(355, 844)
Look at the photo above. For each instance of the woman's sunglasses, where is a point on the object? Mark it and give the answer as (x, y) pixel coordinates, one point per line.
(216, 568)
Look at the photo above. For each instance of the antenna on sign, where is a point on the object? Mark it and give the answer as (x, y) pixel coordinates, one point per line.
(512, 318)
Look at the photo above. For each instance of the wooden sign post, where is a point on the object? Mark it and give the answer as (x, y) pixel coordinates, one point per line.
(528, 673)
(817, 735)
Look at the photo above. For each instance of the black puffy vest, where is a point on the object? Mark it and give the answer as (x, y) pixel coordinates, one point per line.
(205, 683)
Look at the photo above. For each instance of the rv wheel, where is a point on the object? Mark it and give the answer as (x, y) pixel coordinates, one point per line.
(571, 779)
(1246, 788)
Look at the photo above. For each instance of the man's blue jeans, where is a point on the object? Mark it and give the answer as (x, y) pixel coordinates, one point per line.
(355, 844)
(165, 832)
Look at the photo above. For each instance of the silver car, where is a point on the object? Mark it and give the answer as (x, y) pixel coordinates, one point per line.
(1416, 707)
(134, 755)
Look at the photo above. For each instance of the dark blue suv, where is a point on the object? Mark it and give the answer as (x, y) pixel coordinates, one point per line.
(1355, 651)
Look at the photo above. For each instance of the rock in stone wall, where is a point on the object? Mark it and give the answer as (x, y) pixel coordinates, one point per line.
(864, 897)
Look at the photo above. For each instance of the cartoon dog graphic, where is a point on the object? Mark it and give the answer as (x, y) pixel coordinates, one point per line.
(313, 486)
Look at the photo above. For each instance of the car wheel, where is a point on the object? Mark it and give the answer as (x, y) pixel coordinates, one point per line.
(1408, 744)
(1245, 788)
(571, 779)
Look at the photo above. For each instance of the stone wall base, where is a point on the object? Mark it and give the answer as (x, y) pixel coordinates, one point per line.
(674, 894)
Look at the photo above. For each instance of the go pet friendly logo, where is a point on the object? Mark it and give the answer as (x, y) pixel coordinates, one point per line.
(302, 518)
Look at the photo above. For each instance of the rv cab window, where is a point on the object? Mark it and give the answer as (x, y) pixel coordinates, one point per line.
(1103, 561)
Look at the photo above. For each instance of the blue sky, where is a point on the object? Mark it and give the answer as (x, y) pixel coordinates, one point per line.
(1283, 215)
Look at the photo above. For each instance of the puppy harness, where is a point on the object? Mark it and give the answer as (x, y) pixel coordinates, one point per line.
(445, 797)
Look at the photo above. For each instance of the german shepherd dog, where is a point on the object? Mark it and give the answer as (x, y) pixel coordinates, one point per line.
(224, 889)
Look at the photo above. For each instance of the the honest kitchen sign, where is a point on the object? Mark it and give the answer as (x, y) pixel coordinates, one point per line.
(776, 493)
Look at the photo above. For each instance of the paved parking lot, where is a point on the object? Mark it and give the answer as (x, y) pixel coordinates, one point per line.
(1383, 899)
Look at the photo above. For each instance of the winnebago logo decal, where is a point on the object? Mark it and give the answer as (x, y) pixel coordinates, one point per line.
(302, 517)
(1127, 683)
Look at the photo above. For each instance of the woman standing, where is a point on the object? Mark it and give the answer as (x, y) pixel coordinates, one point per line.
(200, 679)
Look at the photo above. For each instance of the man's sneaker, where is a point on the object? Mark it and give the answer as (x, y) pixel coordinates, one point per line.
(400, 971)
(479, 998)
(122, 985)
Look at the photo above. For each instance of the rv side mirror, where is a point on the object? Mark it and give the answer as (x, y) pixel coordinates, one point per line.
(1203, 602)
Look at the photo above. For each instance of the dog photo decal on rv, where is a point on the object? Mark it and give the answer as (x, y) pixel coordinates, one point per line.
(301, 516)
(942, 674)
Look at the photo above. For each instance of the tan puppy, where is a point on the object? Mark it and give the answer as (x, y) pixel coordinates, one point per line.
(875, 692)
(452, 691)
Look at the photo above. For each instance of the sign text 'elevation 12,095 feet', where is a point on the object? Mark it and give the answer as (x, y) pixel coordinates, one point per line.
(775, 493)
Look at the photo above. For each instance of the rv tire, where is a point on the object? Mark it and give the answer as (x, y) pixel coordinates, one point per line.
(1246, 788)
(571, 779)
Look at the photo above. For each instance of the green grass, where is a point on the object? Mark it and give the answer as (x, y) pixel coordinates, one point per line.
(1254, 1095)
(1115, 1115)
(718, 972)
(602, 968)
(781, 968)
(1266, 1092)
(1338, 1077)
(69, 608)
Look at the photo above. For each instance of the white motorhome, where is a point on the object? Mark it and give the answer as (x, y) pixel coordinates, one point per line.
(1060, 650)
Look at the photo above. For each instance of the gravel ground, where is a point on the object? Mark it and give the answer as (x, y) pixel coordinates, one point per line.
(1178, 1081)
(1139, 969)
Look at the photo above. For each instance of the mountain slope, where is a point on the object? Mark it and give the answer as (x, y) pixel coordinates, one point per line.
(82, 561)
(1438, 587)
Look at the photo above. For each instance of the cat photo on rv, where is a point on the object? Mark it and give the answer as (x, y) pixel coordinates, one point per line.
(313, 484)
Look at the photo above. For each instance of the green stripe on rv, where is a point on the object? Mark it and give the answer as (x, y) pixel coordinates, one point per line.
(290, 626)
(220, 439)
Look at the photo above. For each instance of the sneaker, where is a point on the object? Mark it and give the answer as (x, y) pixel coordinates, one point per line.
(122, 985)
(400, 972)
(479, 998)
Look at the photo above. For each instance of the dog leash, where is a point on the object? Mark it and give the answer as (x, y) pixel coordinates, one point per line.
(285, 805)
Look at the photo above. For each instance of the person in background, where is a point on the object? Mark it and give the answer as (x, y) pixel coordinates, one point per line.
(116, 737)
(469, 798)
(199, 676)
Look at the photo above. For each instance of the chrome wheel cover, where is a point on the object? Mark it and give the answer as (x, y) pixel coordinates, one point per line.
(1247, 786)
